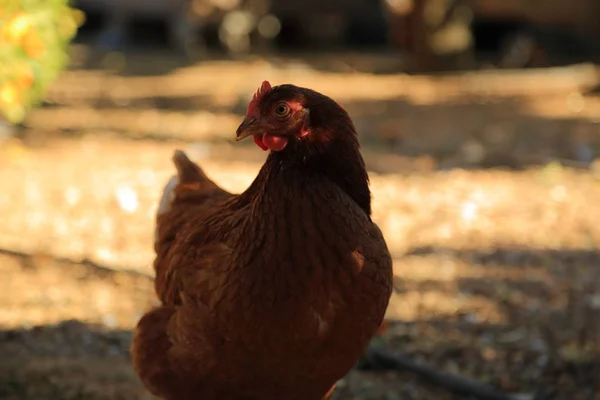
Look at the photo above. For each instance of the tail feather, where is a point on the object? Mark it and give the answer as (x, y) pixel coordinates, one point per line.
(191, 188)
(187, 170)
(188, 174)
(168, 195)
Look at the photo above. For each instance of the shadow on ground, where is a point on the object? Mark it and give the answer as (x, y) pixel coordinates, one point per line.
(524, 320)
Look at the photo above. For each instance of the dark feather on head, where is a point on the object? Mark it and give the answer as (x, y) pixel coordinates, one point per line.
(308, 132)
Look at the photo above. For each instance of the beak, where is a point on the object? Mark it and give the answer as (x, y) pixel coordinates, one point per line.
(249, 127)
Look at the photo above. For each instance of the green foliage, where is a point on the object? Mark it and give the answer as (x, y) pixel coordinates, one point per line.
(34, 35)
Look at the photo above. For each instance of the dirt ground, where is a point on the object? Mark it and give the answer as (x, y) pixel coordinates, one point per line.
(485, 186)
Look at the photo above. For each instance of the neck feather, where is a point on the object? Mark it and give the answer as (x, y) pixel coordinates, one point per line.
(338, 162)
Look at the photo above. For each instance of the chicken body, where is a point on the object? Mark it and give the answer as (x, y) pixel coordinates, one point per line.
(270, 294)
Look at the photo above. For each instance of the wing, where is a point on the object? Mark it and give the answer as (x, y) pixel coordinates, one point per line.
(188, 200)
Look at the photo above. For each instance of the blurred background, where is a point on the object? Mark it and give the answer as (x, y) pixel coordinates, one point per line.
(480, 125)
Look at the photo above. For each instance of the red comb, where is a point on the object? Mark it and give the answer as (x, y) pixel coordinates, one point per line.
(264, 88)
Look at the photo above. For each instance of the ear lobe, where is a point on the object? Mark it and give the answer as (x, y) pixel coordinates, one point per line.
(304, 113)
(305, 130)
(306, 116)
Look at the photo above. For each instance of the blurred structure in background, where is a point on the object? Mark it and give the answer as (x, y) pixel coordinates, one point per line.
(186, 22)
(430, 34)
(540, 32)
(453, 34)
(241, 26)
(435, 34)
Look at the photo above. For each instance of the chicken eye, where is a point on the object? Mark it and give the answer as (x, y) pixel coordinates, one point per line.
(282, 110)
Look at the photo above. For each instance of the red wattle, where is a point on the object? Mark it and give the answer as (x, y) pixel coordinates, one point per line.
(270, 142)
(259, 142)
(275, 143)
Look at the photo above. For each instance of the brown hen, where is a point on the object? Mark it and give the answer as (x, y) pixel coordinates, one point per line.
(272, 294)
